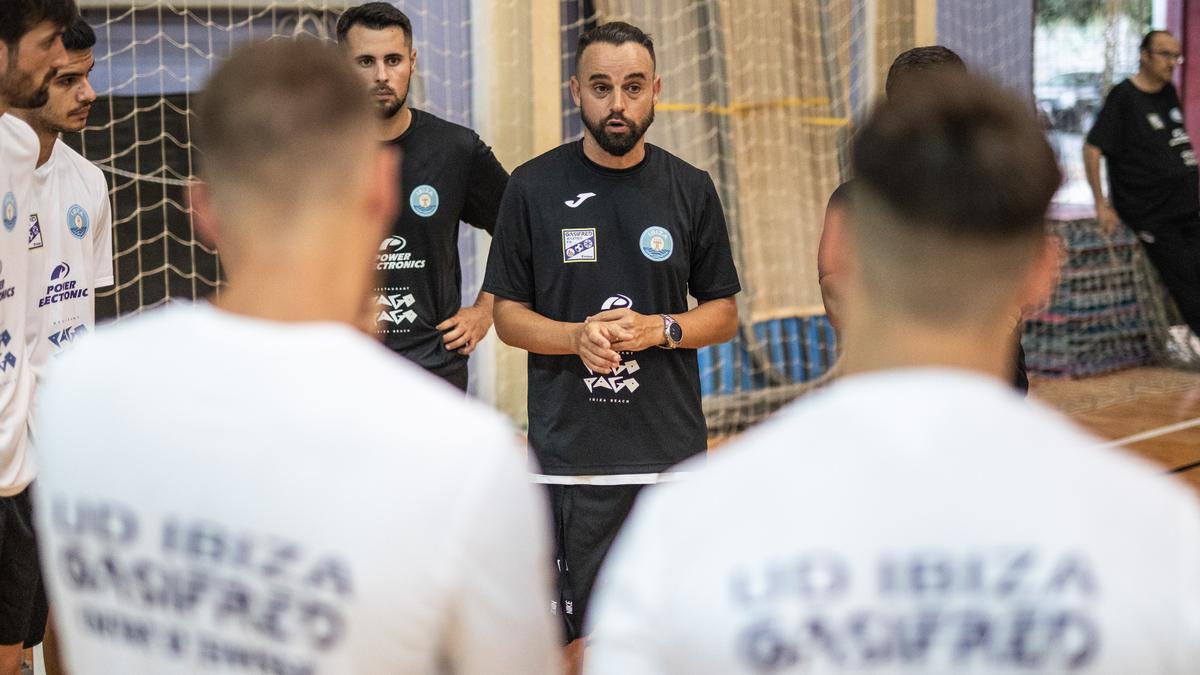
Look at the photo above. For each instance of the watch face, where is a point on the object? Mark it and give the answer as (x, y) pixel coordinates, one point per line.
(676, 332)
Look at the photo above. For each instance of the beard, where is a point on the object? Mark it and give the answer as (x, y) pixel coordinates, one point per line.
(388, 110)
(617, 144)
(19, 90)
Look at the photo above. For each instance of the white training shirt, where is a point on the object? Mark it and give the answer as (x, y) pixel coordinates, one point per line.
(70, 256)
(18, 156)
(222, 493)
(914, 521)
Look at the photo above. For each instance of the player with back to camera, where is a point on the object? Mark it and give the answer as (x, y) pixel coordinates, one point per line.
(245, 508)
(31, 51)
(449, 175)
(918, 516)
(908, 67)
(598, 245)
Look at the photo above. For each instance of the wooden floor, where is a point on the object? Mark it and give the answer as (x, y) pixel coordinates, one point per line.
(1154, 412)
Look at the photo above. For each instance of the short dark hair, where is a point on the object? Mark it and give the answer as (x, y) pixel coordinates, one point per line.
(18, 17)
(919, 60)
(1148, 40)
(263, 98)
(79, 36)
(373, 15)
(614, 33)
(958, 153)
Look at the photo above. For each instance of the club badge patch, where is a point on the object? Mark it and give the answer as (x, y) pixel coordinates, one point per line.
(424, 200)
(656, 243)
(579, 245)
(77, 221)
(10, 211)
(35, 232)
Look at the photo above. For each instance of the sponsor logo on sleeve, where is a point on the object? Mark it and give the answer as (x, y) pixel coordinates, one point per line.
(579, 245)
(35, 232)
(77, 221)
(424, 200)
(656, 243)
(9, 211)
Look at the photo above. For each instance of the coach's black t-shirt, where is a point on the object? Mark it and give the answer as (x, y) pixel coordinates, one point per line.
(449, 175)
(1152, 171)
(574, 238)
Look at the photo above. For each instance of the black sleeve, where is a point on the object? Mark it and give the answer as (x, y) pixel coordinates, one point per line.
(713, 274)
(1106, 132)
(486, 180)
(510, 261)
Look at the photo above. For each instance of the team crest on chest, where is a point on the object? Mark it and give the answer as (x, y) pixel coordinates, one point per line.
(35, 232)
(77, 221)
(424, 200)
(10, 211)
(656, 243)
(579, 245)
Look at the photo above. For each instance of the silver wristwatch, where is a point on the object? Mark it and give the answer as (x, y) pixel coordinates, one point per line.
(672, 331)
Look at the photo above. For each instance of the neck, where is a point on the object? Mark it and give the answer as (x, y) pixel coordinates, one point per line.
(297, 283)
(883, 343)
(1148, 83)
(395, 126)
(593, 151)
(46, 138)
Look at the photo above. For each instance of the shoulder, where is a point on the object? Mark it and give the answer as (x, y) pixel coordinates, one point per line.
(89, 173)
(548, 165)
(18, 142)
(684, 170)
(449, 134)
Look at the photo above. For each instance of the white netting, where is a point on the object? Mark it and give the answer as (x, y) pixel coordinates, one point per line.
(763, 95)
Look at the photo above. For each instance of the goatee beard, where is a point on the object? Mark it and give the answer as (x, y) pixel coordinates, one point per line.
(617, 145)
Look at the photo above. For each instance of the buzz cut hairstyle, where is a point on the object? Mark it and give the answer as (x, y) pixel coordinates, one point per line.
(265, 97)
(919, 60)
(614, 33)
(79, 36)
(18, 17)
(375, 16)
(1148, 40)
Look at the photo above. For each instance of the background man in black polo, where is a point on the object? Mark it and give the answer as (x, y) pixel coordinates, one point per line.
(448, 176)
(597, 247)
(1154, 182)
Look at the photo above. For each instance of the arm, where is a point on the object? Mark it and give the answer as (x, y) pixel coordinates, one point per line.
(831, 262)
(469, 325)
(709, 323)
(521, 327)
(1105, 215)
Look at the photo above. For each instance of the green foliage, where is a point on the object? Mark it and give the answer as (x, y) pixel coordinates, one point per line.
(1085, 11)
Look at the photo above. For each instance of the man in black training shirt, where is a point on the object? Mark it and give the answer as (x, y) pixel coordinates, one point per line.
(1154, 182)
(597, 246)
(448, 176)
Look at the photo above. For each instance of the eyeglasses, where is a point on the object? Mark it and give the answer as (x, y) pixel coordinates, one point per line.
(1173, 57)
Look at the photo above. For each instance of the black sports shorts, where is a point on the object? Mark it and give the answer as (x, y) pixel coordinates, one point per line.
(22, 597)
(586, 520)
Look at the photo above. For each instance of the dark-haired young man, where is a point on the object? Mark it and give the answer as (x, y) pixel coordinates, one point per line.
(918, 516)
(31, 50)
(909, 67)
(598, 245)
(1153, 173)
(70, 235)
(449, 175)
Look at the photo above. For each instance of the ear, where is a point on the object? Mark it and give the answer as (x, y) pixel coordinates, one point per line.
(657, 88)
(576, 94)
(1041, 279)
(204, 214)
(412, 56)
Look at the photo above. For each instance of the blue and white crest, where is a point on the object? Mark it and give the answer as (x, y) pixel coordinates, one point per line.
(424, 200)
(77, 221)
(10, 211)
(656, 243)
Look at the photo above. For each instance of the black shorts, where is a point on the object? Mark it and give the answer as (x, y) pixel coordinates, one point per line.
(1174, 250)
(586, 520)
(22, 597)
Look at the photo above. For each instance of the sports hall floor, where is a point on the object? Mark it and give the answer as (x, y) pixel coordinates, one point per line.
(1154, 412)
